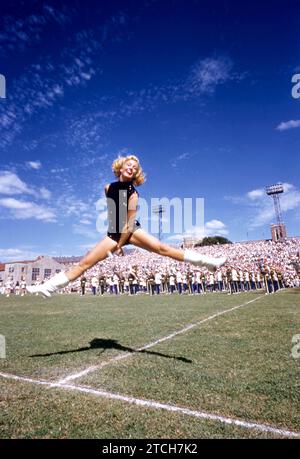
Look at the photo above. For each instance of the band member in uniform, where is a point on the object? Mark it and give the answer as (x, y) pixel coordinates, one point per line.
(83, 282)
(102, 284)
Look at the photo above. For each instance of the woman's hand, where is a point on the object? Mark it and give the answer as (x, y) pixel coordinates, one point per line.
(119, 251)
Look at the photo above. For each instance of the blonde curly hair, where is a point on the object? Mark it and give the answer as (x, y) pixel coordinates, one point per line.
(118, 163)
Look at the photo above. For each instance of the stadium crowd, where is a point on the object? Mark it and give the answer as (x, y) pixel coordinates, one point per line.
(250, 266)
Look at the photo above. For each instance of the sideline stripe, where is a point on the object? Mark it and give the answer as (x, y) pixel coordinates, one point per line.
(123, 356)
(162, 406)
(24, 379)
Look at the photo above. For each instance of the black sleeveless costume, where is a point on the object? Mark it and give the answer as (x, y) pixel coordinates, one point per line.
(118, 195)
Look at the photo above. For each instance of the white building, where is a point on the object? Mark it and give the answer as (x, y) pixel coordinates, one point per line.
(2, 271)
(190, 241)
(40, 269)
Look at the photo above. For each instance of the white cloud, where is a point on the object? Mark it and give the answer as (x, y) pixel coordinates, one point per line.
(87, 131)
(42, 85)
(215, 225)
(85, 221)
(86, 246)
(19, 33)
(255, 194)
(207, 74)
(175, 238)
(285, 125)
(204, 76)
(180, 158)
(211, 228)
(215, 228)
(86, 232)
(45, 193)
(34, 164)
(70, 206)
(11, 184)
(195, 232)
(17, 254)
(23, 210)
(288, 187)
(291, 198)
(261, 206)
(58, 170)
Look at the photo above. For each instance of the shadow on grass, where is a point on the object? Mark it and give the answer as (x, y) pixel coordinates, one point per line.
(99, 343)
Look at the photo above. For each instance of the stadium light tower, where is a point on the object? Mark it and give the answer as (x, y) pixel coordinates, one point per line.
(159, 210)
(278, 230)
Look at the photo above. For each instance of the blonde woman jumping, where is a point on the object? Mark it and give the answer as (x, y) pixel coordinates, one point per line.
(123, 228)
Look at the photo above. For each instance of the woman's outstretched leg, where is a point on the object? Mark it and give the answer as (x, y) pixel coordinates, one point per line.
(98, 253)
(145, 241)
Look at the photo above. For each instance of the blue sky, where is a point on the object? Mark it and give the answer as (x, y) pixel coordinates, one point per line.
(201, 91)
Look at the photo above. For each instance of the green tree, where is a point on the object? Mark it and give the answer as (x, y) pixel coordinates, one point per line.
(213, 240)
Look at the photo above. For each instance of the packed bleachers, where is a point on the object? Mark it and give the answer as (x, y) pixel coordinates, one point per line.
(250, 265)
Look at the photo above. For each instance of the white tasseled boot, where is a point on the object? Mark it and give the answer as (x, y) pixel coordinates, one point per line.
(58, 281)
(203, 260)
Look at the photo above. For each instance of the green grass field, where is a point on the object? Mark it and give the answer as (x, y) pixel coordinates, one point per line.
(237, 365)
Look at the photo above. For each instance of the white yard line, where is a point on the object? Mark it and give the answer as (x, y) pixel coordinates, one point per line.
(123, 356)
(24, 379)
(265, 428)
